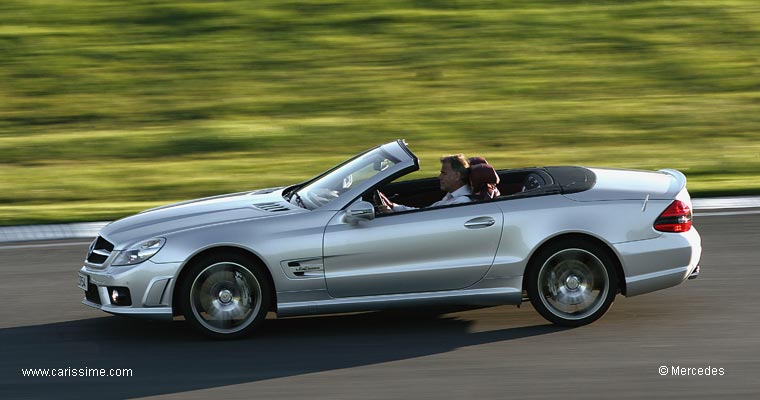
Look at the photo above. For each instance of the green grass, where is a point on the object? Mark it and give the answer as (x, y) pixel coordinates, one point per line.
(110, 107)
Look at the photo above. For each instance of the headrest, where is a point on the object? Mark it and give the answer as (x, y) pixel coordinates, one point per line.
(482, 174)
(477, 160)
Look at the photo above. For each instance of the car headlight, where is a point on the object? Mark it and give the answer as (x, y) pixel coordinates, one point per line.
(139, 252)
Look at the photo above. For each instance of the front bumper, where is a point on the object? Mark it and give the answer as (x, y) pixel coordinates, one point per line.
(150, 286)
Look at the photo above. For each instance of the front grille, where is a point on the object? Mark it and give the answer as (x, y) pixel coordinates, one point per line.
(92, 294)
(99, 251)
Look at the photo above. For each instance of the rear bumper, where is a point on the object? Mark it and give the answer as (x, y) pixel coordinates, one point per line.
(659, 263)
(694, 274)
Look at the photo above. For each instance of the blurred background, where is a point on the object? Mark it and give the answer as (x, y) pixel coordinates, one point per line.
(111, 107)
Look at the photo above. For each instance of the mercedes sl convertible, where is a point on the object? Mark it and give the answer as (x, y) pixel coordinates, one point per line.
(566, 238)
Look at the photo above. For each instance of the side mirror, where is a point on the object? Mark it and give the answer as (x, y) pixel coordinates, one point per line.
(360, 211)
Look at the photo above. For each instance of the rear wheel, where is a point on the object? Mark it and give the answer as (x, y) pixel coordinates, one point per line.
(572, 283)
(225, 296)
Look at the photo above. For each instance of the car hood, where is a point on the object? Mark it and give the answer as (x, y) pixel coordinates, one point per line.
(196, 213)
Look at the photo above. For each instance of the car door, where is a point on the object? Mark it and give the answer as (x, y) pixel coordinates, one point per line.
(421, 251)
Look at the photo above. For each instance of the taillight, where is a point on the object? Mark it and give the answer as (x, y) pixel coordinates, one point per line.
(675, 218)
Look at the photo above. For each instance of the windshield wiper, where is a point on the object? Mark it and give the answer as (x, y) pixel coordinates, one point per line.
(290, 192)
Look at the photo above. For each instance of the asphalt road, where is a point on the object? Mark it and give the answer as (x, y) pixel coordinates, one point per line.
(493, 353)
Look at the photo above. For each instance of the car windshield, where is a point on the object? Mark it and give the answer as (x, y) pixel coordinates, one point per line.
(342, 178)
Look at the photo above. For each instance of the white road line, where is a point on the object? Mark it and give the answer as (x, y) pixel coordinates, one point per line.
(726, 202)
(37, 246)
(725, 213)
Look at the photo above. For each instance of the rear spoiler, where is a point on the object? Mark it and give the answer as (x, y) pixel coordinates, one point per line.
(678, 175)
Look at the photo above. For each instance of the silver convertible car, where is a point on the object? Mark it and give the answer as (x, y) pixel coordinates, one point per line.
(567, 238)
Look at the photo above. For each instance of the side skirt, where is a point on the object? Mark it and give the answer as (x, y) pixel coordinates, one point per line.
(493, 296)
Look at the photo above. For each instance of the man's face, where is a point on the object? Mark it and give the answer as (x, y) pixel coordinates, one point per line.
(450, 180)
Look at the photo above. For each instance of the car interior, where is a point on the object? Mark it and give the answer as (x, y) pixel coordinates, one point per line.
(509, 184)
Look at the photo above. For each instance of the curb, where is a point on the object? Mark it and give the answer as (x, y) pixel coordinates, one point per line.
(28, 233)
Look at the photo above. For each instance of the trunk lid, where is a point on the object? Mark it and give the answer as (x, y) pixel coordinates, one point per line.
(619, 184)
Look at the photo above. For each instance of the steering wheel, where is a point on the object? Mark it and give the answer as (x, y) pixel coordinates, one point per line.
(382, 204)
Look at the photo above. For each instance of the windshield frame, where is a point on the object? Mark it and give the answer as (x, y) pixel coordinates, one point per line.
(404, 162)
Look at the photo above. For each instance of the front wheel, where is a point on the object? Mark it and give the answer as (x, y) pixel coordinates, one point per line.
(572, 283)
(225, 297)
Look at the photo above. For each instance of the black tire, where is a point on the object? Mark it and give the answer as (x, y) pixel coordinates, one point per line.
(225, 296)
(572, 282)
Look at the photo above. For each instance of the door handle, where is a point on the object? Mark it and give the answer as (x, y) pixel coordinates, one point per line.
(481, 222)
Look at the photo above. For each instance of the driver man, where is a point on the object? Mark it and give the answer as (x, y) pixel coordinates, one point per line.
(454, 180)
